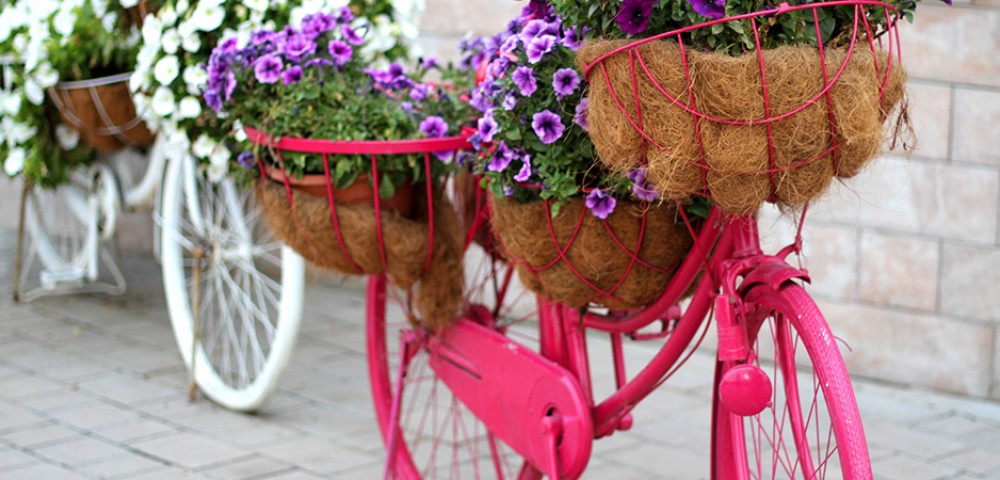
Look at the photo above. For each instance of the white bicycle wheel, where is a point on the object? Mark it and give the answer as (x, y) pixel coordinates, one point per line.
(66, 226)
(249, 292)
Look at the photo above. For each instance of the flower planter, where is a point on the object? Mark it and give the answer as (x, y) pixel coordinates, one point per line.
(357, 193)
(622, 262)
(742, 130)
(103, 112)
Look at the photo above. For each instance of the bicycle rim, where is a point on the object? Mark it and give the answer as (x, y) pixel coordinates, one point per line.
(249, 291)
(435, 436)
(812, 428)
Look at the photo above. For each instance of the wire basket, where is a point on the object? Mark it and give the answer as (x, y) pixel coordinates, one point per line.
(103, 112)
(415, 236)
(770, 125)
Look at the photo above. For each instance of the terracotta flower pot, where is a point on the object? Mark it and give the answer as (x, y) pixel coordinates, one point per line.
(358, 193)
(102, 111)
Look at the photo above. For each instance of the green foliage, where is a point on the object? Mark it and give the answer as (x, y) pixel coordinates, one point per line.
(836, 23)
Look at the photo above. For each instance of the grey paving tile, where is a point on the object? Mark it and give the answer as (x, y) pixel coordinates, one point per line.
(190, 450)
(124, 466)
(13, 417)
(94, 415)
(43, 435)
(77, 452)
(127, 389)
(139, 429)
(318, 455)
(902, 467)
(10, 459)
(253, 467)
(43, 471)
(974, 460)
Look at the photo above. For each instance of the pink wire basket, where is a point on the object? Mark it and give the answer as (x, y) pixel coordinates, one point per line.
(769, 125)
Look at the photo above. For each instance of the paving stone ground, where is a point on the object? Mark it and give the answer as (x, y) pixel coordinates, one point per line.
(92, 387)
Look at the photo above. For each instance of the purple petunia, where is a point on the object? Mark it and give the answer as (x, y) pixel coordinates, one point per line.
(548, 126)
(640, 187)
(340, 51)
(709, 8)
(227, 46)
(580, 117)
(525, 173)
(351, 36)
(600, 205)
(429, 63)
(509, 45)
(565, 81)
(479, 101)
(247, 159)
(538, 8)
(344, 16)
(502, 157)
(298, 46)
(263, 36)
(509, 102)
(573, 37)
(318, 23)
(533, 29)
(433, 127)
(633, 17)
(487, 128)
(230, 85)
(406, 107)
(267, 69)
(524, 78)
(292, 75)
(420, 92)
(213, 100)
(540, 46)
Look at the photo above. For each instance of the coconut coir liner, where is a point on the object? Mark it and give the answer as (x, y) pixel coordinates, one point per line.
(310, 232)
(524, 233)
(792, 160)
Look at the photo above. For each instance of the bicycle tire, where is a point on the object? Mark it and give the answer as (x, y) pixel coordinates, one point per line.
(249, 312)
(783, 441)
(430, 415)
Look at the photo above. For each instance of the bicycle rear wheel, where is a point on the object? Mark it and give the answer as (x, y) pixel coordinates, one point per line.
(811, 429)
(249, 288)
(433, 434)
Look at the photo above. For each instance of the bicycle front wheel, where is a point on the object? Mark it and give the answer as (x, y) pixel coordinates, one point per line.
(230, 284)
(811, 428)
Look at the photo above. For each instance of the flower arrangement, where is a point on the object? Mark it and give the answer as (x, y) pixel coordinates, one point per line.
(532, 138)
(314, 82)
(177, 43)
(576, 232)
(639, 18)
(45, 42)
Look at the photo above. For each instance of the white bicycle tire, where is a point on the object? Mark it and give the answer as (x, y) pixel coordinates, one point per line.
(181, 178)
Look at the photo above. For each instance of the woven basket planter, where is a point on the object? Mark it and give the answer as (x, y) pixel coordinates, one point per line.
(623, 262)
(103, 112)
(722, 126)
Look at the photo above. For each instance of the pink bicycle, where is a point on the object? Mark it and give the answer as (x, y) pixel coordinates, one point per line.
(507, 393)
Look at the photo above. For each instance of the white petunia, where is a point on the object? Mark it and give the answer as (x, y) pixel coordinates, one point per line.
(166, 70)
(46, 76)
(20, 42)
(12, 103)
(217, 172)
(203, 146)
(109, 20)
(128, 3)
(168, 16)
(14, 162)
(220, 156)
(239, 134)
(100, 7)
(34, 92)
(195, 75)
(170, 41)
(208, 16)
(312, 6)
(190, 40)
(183, 6)
(68, 138)
(256, 5)
(34, 53)
(64, 21)
(138, 81)
(163, 102)
(152, 31)
(189, 107)
(18, 133)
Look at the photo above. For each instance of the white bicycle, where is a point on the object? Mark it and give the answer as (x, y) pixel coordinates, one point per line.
(233, 292)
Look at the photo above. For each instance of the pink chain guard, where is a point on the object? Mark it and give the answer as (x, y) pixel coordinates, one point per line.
(512, 389)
